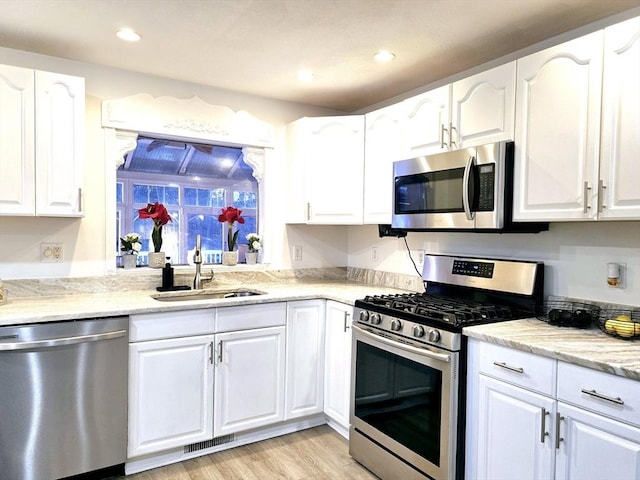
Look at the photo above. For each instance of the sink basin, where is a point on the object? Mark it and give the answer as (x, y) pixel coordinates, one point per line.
(192, 295)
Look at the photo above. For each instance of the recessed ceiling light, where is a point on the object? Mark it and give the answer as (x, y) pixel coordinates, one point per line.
(305, 75)
(128, 35)
(384, 56)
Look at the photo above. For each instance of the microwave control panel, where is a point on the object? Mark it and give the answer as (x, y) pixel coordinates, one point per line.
(486, 182)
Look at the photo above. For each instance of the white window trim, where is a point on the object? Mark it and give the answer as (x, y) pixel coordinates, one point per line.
(189, 120)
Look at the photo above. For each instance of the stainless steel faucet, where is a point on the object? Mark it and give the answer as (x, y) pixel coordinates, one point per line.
(197, 260)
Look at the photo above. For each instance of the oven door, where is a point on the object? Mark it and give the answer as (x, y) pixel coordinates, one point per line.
(404, 398)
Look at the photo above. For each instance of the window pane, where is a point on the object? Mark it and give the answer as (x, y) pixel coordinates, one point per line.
(210, 231)
(245, 199)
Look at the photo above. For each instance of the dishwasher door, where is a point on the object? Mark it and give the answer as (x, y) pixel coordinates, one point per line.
(63, 398)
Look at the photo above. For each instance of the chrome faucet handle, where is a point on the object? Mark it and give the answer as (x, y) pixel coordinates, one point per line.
(209, 278)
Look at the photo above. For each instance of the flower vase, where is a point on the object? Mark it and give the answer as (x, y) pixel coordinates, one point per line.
(251, 258)
(157, 259)
(230, 258)
(129, 260)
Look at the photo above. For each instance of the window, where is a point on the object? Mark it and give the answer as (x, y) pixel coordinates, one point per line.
(194, 182)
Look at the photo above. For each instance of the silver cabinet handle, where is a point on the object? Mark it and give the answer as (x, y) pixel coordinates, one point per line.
(509, 367)
(587, 188)
(346, 320)
(451, 130)
(308, 210)
(559, 439)
(601, 188)
(211, 353)
(219, 350)
(57, 342)
(80, 200)
(593, 393)
(543, 427)
(442, 130)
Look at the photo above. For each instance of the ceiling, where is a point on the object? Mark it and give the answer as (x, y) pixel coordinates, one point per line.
(257, 46)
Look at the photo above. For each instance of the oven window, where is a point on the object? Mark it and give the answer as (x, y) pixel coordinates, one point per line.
(400, 398)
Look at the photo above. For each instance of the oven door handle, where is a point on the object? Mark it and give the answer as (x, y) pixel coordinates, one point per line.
(442, 357)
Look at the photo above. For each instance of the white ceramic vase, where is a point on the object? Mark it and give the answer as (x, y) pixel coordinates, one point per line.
(129, 260)
(157, 259)
(251, 258)
(230, 258)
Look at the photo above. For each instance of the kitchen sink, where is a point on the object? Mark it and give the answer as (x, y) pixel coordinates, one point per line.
(194, 295)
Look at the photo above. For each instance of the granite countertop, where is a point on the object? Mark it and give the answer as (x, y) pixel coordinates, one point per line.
(590, 348)
(40, 309)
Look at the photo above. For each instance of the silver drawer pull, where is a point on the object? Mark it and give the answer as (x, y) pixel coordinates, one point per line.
(559, 439)
(509, 367)
(593, 393)
(543, 427)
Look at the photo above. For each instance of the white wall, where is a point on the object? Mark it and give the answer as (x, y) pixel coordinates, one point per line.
(575, 254)
(83, 239)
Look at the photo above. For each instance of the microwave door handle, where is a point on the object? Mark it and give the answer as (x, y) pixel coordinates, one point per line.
(466, 178)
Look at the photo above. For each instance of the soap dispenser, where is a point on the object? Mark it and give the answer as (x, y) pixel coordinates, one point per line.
(167, 275)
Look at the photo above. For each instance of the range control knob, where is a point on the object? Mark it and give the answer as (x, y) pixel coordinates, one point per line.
(375, 319)
(434, 336)
(418, 331)
(364, 316)
(396, 324)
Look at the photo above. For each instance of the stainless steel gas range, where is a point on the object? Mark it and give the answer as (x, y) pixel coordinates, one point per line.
(409, 362)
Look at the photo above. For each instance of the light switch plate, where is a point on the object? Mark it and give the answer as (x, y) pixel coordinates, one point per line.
(51, 253)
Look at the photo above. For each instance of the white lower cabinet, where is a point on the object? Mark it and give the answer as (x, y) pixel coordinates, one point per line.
(170, 381)
(337, 384)
(249, 379)
(511, 418)
(305, 358)
(519, 427)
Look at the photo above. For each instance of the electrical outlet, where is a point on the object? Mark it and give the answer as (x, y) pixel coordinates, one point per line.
(51, 252)
(419, 257)
(374, 254)
(297, 253)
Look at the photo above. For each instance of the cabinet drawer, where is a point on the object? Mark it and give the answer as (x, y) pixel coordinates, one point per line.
(251, 316)
(604, 393)
(524, 369)
(154, 326)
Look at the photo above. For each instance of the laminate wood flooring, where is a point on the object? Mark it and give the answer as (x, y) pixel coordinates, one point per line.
(315, 454)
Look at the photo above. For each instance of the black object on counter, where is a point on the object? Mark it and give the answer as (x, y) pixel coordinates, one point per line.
(167, 276)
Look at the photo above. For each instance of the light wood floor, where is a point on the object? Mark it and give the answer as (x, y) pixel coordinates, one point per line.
(315, 454)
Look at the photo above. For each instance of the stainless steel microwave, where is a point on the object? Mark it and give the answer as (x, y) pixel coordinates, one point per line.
(468, 189)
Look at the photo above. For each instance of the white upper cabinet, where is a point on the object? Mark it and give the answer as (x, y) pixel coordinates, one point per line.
(17, 154)
(425, 123)
(578, 129)
(483, 107)
(619, 194)
(382, 146)
(326, 166)
(42, 148)
(473, 111)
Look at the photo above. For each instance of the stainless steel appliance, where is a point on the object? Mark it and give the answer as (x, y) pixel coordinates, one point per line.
(409, 357)
(63, 398)
(467, 189)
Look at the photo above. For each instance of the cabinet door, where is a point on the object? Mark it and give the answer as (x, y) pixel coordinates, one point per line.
(515, 433)
(305, 358)
(483, 107)
(557, 131)
(170, 380)
(334, 169)
(620, 195)
(337, 388)
(59, 144)
(17, 154)
(382, 146)
(425, 122)
(594, 447)
(249, 379)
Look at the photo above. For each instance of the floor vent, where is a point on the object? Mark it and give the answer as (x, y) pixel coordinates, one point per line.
(194, 447)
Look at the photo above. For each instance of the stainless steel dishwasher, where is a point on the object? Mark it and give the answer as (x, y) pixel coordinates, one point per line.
(63, 398)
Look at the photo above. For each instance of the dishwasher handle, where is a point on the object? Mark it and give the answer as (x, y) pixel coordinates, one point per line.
(57, 342)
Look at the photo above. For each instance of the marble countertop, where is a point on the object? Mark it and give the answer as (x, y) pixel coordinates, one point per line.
(590, 348)
(40, 309)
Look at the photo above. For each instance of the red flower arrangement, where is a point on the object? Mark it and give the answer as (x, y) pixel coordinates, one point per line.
(231, 215)
(160, 216)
